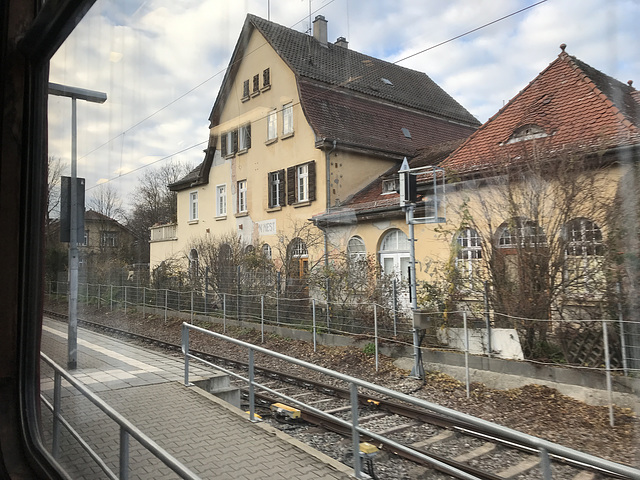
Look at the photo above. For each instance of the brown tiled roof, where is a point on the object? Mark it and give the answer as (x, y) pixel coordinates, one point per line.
(367, 123)
(579, 109)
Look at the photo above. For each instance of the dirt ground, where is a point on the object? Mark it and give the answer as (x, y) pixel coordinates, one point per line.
(532, 409)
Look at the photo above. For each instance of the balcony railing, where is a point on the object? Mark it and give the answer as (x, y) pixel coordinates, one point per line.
(164, 232)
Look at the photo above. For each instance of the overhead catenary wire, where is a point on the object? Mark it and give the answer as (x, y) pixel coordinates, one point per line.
(295, 104)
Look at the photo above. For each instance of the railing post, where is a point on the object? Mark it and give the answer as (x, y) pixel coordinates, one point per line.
(57, 387)
(252, 402)
(313, 314)
(262, 317)
(355, 435)
(124, 454)
(466, 351)
(185, 351)
(238, 294)
(328, 311)
(375, 331)
(545, 464)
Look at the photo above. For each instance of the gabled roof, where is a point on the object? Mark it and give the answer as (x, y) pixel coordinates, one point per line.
(341, 69)
(569, 107)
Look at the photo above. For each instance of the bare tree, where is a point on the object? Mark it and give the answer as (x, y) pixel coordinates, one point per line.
(106, 200)
(153, 202)
(56, 168)
(541, 221)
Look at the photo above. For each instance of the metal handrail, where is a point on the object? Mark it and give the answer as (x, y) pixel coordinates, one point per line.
(544, 447)
(127, 429)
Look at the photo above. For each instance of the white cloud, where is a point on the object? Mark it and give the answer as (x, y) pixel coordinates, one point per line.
(147, 54)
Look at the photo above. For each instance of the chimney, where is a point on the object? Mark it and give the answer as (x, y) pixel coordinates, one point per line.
(342, 42)
(320, 30)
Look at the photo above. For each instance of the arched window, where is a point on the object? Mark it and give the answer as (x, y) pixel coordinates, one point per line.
(266, 251)
(193, 263)
(394, 254)
(469, 250)
(521, 232)
(298, 261)
(356, 250)
(248, 249)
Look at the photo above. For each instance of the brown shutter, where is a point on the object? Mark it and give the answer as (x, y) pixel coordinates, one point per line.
(291, 185)
(312, 181)
(248, 139)
(270, 198)
(235, 141)
(223, 144)
(283, 183)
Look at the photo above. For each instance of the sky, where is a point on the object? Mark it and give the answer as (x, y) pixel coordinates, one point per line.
(161, 63)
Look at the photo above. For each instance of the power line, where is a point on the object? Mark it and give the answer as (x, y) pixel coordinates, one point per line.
(253, 51)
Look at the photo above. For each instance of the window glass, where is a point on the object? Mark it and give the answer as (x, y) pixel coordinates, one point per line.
(287, 119)
(303, 183)
(242, 196)
(272, 125)
(193, 206)
(221, 200)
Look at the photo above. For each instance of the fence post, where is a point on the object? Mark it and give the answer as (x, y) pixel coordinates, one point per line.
(185, 351)
(623, 343)
(262, 317)
(87, 301)
(375, 331)
(238, 294)
(277, 298)
(466, 351)
(192, 306)
(607, 363)
(224, 313)
(166, 303)
(206, 287)
(313, 316)
(545, 464)
(125, 300)
(144, 301)
(487, 318)
(99, 296)
(395, 306)
(327, 285)
(111, 297)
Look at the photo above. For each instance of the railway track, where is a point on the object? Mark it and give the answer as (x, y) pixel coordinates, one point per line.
(477, 453)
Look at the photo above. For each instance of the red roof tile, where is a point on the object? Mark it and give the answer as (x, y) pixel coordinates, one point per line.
(576, 107)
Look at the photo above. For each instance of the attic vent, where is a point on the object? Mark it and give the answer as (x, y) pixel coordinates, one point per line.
(386, 81)
(526, 132)
(406, 132)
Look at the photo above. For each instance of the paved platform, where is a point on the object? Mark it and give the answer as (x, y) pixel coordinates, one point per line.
(210, 437)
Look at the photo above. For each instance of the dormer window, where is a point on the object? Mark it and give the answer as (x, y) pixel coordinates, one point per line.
(389, 186)
(526, 132)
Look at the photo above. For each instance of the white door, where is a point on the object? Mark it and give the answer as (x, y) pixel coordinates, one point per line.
(394, 259)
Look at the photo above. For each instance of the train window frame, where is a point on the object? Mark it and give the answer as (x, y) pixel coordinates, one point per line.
(33, 33)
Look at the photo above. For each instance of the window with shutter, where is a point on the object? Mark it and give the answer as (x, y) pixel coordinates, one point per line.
(266, 80)
(245, 89)
(291, 185)
(256, 84)
(223, 144)
(276, 189)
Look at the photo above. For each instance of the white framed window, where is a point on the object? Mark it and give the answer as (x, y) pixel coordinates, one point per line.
(302, 173)
(242, 196)
(221, 200)
(287, 119)
(389, 185)
(193, 206)
(272, 125)
(229, 143)
(266, 251)
(521, 232)
(276, 189)
(109, 239)
(85, 240)
(244, 137)
(469, 250)
(356, 251)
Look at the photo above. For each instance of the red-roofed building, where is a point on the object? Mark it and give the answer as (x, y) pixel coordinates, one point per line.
(543, 171)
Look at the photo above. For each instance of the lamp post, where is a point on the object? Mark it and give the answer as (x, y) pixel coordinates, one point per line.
(96, 97)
